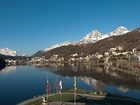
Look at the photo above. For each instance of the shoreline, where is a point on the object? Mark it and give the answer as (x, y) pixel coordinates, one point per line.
(93, 96)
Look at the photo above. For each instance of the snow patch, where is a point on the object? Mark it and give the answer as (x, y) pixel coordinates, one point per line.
(95, 35)
(119, 31)
(91, 37)
(56, 45)
(9, 52)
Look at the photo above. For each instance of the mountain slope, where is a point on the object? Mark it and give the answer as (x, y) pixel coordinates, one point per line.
(40, 52)
(128, 41)
(95, 35)
(56, 45)
(91, 37)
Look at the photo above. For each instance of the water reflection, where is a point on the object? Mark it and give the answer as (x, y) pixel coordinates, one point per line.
(99, 78)
(24, 82)
(95, 84)
(90, 74)
(8, 69)
(123, 89)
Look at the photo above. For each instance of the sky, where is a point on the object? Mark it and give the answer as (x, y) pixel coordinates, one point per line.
(30, 25)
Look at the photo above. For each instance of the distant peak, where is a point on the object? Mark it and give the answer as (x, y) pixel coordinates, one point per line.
(119, 31)
(91, 37)
(96, 31)
(121, 27)
(9, 52)
(95, 35)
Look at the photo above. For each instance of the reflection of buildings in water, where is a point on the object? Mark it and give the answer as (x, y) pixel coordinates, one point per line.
(107, 71)
(82, 67)
(99, 70)
(123, 89)
(88, 67)
(113, 73)
(110, 70)
(37, 65)
(9, 68)
(74, 68)
(120, 75)
(57, 65)
(53, 65)
(107, 66)
(96, 85)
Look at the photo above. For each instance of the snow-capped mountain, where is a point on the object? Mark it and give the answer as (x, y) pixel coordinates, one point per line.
(9, 52)
(56, 45)
(95, 35)
(119, 31)
(91, 37)
(51, 47)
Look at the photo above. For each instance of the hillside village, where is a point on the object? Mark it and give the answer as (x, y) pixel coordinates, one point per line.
(114, 54)
(121, 45)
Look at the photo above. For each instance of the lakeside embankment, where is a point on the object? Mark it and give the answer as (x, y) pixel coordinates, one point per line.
(67, 98)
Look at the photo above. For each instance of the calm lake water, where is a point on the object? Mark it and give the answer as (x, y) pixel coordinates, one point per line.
(18, 83)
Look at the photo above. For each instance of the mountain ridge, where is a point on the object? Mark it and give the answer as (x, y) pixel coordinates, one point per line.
(91, 37)
(9, 52)
(128, 41)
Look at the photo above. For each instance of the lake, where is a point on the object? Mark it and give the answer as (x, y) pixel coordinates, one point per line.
(18, 83)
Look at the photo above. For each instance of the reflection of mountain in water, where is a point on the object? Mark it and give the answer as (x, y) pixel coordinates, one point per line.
(107, 76)
(9, 68)
(99, 85)
(95, 84)
(88, 80)
(123, 89)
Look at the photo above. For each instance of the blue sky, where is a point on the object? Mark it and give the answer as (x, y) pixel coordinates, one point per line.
(30, 25)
